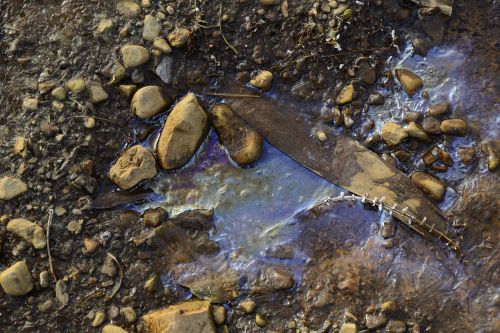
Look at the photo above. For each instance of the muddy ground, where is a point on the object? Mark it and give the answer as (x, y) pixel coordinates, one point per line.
(333, 267)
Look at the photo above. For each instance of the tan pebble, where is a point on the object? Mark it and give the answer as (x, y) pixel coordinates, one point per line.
(260, 320)
(11, 187)
(59, 93)
(98, 319)
(104, 25)
(179, 37)
(393, 134)
(219, 314)
(76, 85)
(346, 95)
(136, 164)
(432, 186)
(321, 136)
(128, 8)
(134, 55)
(151, 28)
(20, 146)
(439, 108)
(348, 328)
(454, 127)
(247, 306)
(96, 92)
(127, 90)
(16, 280)
(263, 80)
(90, 244)
(30, 104)
(162, 45)
(57, 106)
(411, 82)
(89, 122)
(28, 231)
(113, 329)
(149, 101)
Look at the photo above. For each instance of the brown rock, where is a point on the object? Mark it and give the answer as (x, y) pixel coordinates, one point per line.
(179, 37)
(28, 231)
(186, 317)
(466, 154)
(417, 132)
(149, 101)
(432, 186)
(376, 99)
(439, 109)
(153, 217)
(454, 127)
(346, 94)
(182, 134)
(431, 125)
(393, 134)
(135, 165)
(242, 142)
(411, 82)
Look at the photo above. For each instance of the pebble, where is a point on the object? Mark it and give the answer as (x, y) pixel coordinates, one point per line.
(108, 267)
(263, 80)
(46, 306)
(153, 217)
(149, 101)
(396, 326)
(75, 226)
(393, 134)
(417, 132)
(162, 45)
(411, 116)
(129, 314)
(98, 319)
(189, 316)
(348, 328)
(466, 154)
(153, 284)
(260, 320)
(96, 92)
(247, 306)
(90, 244)
(126, 90)
(182, 134)
(431, 125)
(242, 142)
(376, 99)
(492, 160)
(432, 186)
(346, 94)
(113, 329)
(104, 25)
(20, 146)
(219, 314)
(57, 106)
(16, 280)
(388, 229)
(454, 127)
(128, 8)
(61, 295)
(30, 232)
(151, 28)
(136, 164)
(59, 93)
(134, 55)
(119, 72)
(30, 104)
(439, 109)
(373, 321)
(89, 122)
(411, 82)
(76, 85)
(179, 37)
(11, 187)
(44, 279)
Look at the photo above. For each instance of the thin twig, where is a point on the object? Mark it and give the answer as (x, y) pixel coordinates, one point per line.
(117, 285)
(49, 223)
(222, 33)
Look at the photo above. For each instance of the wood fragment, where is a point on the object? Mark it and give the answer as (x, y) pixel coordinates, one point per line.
(222, 33)
(117, 286)
(49, 224)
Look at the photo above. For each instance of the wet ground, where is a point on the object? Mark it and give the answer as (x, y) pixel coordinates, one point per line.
(317, 267)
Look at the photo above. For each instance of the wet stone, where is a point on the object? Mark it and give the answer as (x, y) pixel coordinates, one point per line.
(346, 94)
(466, 154)
(439, 109)
(393, 134)
(136, 164)
(179, 37)
(432, 186)
(242, 142)
(153, 217)
(411, 116)
(182, 134)
(454, 127)
(417, 132)
(411, 82)
(11, 187)
(134, 55)
(16, 280)
(30, 232)
(263, 80)
(186, 317)
(247, 306)
(149, 101)
(431, 125)
(376, 99)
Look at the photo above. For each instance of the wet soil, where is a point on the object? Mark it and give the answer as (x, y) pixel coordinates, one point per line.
(265, 229)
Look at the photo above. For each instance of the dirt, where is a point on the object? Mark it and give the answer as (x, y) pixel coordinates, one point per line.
(341, 269)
